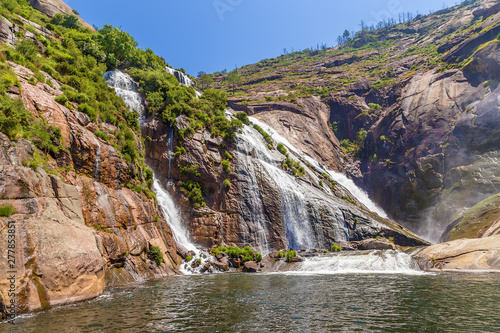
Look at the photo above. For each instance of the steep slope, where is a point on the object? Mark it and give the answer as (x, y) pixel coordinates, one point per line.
(413, 105)
(76, 212)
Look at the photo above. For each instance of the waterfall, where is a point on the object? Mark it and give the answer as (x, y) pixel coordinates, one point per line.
(380, 262)
(127, 89)
(97, 166)
(342, 179)
(259, 161)
(172, 216)
(170, 151)
(183, 79)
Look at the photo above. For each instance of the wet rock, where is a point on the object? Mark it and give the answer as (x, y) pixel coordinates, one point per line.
(221, 266)
(206, 267)
(376, 244)
(235, 262)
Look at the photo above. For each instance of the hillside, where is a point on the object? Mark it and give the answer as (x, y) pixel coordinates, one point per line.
(409, 110)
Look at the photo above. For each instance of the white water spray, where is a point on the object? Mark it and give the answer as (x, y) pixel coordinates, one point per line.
(126, 88)
(375, 262)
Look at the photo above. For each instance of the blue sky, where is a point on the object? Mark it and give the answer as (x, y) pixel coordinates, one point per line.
(212, 35)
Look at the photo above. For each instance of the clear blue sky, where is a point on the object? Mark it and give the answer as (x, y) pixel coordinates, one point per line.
(212, 35)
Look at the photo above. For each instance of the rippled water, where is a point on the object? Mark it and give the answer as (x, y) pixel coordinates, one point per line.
(285, 303)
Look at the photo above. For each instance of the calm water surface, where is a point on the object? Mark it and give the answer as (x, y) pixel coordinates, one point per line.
(285, 303)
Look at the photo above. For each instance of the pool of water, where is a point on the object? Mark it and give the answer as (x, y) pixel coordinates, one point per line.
(284, 302)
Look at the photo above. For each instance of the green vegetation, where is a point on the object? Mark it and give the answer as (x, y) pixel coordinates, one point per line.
(349, 200)
(244, 254)
(243, 117)
(7, 210)
(226, 166)
(331, 182)
(155, 254)
(336, 248)
(264, 134)
(189, 258)
(281, 148)
(280, 254)
(227, 184)
(194, 191)
(290, 255)
(294, 167)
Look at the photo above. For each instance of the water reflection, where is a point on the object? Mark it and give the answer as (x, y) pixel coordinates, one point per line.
(292, 303)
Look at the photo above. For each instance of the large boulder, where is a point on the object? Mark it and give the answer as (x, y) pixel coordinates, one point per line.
(53, 7)
(250, 267)
(463, 254)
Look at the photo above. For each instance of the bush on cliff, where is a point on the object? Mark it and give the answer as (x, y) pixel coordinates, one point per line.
(7, 210)
(155, 254)
(290, 255)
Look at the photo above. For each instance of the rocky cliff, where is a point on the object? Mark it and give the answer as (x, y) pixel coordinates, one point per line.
(262, 204)
(414, 106)
(77, 228)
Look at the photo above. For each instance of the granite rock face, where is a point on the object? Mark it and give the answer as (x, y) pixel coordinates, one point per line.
(462, 255)
(79, 230)
(53, 7)
(265, 206)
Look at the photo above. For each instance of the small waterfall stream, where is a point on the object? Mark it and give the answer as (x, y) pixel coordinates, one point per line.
(97, 166)
(183, 79)
(127, 89)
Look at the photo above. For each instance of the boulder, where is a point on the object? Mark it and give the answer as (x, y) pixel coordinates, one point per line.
(53, 7)
(463, 254)
(376, 244)
(221, 266)
(250, 267)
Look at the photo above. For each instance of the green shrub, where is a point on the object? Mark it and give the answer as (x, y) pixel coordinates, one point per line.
(194, 192)
(290, 255)
(349, 200)
(179, 151)
(226, 166)
(215, 252)
(280, 254)
(258, 257)
(101, 134)
(243, 117)
(90, 111)
(28, 49)
(189, 258)
(62, 99)
(155, 254)
(227, 184)
(264, 134)
(35, 161)
(228, 155)
(7, 210)
(281, 148)
(336, 248)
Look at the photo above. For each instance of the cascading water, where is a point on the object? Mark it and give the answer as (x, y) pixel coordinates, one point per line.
(127, 89)
(342, 179)
(257, 157)
(97, 165)
(173, 216)
(183, 79)
(379, 262)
